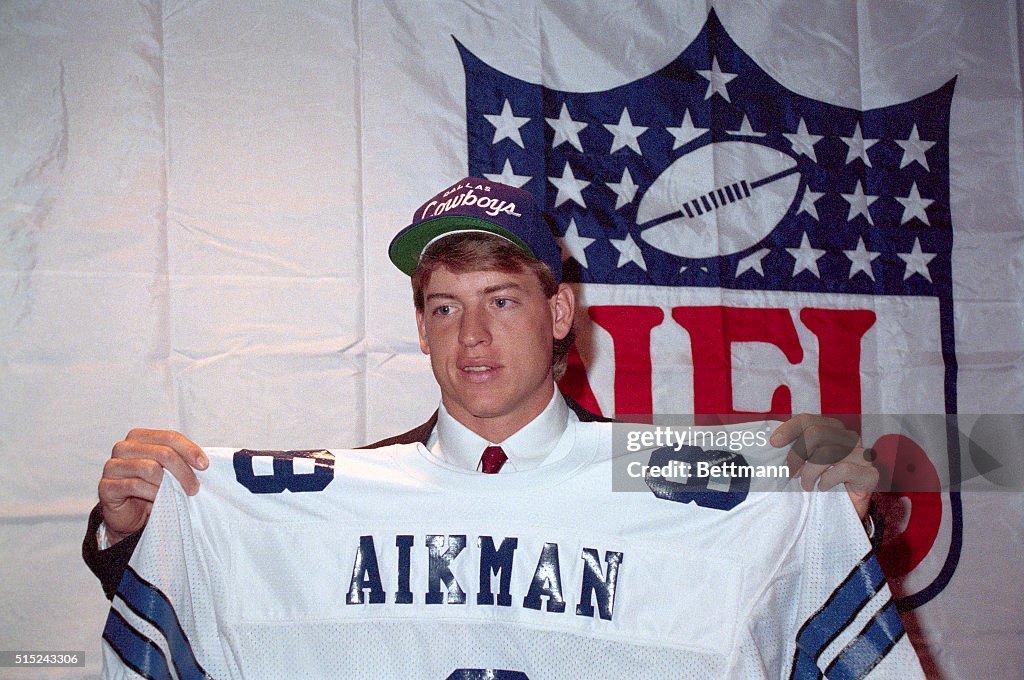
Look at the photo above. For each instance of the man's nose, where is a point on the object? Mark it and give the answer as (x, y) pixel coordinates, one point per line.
(475, 328)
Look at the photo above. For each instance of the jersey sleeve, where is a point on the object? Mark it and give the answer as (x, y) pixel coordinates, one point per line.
(846, 621)
(161, 623)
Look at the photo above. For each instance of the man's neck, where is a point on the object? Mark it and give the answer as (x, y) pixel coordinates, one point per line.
(497, 429)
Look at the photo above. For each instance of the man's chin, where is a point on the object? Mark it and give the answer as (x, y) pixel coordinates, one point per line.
(487, 411)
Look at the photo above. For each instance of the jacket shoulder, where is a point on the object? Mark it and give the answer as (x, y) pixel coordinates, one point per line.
(418, 434)
(583, 414)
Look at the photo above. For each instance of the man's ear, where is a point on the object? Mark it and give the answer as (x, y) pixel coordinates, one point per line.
(424, 346)
(563, 311)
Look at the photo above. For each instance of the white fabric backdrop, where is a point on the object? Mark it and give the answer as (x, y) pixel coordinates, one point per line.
(196, 199)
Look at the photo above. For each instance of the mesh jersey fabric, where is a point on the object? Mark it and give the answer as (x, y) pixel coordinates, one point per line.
(388, 563)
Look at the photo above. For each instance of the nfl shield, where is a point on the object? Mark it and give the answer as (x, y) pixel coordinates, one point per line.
(743, 249)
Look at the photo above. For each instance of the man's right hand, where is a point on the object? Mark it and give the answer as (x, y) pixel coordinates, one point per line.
(131, 477)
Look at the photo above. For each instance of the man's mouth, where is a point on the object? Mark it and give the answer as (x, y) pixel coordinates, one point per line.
(476, 372)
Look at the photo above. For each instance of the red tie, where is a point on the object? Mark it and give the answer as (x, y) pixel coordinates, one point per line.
(492, 460)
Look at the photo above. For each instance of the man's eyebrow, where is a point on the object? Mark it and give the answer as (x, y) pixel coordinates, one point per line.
(501, 286)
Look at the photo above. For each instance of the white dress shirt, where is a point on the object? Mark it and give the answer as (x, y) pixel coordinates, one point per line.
(455, 444)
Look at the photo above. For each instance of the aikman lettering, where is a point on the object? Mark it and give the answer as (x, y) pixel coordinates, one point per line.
(546, 593)
(490, 205)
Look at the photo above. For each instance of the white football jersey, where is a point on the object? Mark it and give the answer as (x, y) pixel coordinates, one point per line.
(387, 563)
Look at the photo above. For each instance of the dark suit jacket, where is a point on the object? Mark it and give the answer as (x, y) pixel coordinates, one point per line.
(108, 565)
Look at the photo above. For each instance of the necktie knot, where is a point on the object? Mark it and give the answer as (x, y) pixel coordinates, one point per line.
(492, 460)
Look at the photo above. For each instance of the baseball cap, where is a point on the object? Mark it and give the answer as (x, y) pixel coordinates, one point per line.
(478, 205)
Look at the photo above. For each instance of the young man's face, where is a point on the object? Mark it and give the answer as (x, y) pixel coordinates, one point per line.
(489, 337)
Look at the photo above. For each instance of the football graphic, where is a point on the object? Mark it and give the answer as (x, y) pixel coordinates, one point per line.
(718, 200)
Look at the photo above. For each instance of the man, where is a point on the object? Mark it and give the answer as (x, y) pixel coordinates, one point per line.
(485, 308)
(368, 575)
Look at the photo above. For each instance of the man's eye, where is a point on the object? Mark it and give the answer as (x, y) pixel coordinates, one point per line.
(443, 310)
(502, 303)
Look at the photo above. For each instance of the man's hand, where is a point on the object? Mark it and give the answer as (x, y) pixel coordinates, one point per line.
(824, 451)
(131, 477)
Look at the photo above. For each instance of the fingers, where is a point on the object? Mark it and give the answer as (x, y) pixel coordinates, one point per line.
(125, 503)
(181, 444)
(795, 464)
(807, 473)
(788, 431)
(114, 492)
(824, 452)
(816, 439)
(132, 475)
(144, 452)
(855, 472)
(116, 469)
(859, 478)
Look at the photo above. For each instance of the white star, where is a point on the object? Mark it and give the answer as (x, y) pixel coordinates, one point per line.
(859, 202)
(566, 129)
(625, 133)
(625, 191)
(803, 141)
(858, 146)
(629, 251)
(806, 257)
(754, 261)
(573, 245)
(508, 176)
(686, 268)
(717, 80)
(914, 149)
(914, 205)
(506, 125)
(917, 262)
(808, 201)
(861, 259)
(569, 187)
(747, 129)
(686, 132)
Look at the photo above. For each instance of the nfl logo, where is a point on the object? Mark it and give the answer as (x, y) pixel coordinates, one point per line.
(713, 218)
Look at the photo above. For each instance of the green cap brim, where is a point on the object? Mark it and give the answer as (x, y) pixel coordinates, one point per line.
(407, 247)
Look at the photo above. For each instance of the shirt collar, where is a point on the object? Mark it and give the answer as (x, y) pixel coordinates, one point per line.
(456, 444)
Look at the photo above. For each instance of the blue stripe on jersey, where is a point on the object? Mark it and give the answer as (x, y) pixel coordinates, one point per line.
(149, 603)
(865, 651)
(136, 650)
(857, 589)
(804, 667)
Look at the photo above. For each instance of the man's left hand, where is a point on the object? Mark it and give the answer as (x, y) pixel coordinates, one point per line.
(822, 450)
